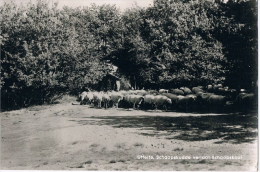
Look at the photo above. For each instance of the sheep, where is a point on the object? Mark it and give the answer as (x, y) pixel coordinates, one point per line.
(134, 99)
(197, 90)
(216, 102)
(186, 102)
(124, 92)
(186, 90)
(82, 97)
(98, 98)
(226, 88)
(124, 102)
(163, 91)
(245, 97)
(161, 100)
(141, 92)
(217, 86)
(193, 96)
(149, 100)
(202, 99)
(177, 91)
(86, 97)
(131, 91)
(152, 92)
(116, 97)
(210, 88)
(231, 94)
(221, 91)
(90, 97)
(246, 101)
(180, 99)
(105, 99)
(173, 97)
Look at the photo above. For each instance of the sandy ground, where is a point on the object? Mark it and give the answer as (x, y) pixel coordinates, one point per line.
(74, 137)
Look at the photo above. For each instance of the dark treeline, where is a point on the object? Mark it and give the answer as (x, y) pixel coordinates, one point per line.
(46, 51)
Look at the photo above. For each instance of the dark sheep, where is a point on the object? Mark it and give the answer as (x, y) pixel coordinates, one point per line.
(204, 96)
(186, 102)
(217, 100)
(245, 97)
(246, 101)
(202, 100)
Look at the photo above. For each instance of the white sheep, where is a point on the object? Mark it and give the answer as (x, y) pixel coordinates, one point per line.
(86, 97)
(98, 98)
(116, 97)
(149, 99)
(105, 99)
(82, 97)
(161, 100)
(163, 91)
(134, 99)
(141, 92)
(123, 92)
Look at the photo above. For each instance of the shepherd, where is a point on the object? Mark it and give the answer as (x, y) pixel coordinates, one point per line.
(117, 85)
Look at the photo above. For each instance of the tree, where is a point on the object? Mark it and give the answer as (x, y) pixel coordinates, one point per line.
(171, 45)
(238, 33)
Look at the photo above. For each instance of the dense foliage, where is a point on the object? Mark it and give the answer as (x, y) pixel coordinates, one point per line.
(46, 51)
(238, 34)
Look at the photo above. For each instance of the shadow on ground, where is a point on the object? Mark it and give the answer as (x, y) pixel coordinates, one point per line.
(231, 128)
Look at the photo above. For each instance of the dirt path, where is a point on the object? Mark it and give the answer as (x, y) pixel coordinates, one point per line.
(74, 137)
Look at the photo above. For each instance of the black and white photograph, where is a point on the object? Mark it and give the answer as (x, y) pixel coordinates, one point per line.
(129, 85)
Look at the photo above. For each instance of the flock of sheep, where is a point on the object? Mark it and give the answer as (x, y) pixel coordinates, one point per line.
(212, 97)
